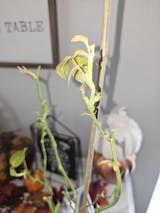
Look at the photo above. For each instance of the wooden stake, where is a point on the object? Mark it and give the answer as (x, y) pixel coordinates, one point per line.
(104, 44)
(104, 53)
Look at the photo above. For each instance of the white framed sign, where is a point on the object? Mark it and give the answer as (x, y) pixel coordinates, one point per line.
(28, 33)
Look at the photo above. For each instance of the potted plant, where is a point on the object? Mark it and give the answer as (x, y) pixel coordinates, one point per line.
(78, 66)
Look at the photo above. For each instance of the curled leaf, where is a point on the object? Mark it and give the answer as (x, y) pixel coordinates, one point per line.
(81, 61)
(28, 72)
(79, 76)
(62, 69)
(81, 64)
(80, 52)
(80, 38)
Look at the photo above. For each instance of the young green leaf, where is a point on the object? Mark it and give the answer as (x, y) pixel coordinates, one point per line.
(28, 72)
(80, 38)
(80, 52)
(79, 76)
(81, 61)
(62, 69)
(18, 158)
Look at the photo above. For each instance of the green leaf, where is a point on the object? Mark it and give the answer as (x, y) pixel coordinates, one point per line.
(80, 38)
(80, 52)
(81, 65)
(28, 72)
(62, 69)
(72, 73)
(85, 113)
(18, 158)
(82, 61)
(79, 76)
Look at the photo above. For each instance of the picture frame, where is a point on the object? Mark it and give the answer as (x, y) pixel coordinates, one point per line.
(28, 33)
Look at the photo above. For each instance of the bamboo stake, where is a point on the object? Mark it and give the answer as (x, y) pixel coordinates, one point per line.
(104, 44)
(103, 63)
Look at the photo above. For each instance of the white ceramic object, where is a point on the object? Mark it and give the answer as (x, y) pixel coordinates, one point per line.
(127, 133)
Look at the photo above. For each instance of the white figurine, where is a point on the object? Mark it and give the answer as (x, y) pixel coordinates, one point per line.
(128, 136)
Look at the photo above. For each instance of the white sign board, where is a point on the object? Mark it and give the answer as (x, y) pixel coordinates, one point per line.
(25, 32)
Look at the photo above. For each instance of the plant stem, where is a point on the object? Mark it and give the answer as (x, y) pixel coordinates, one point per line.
(60, 167)
(103, 64)
(111, 140)
(104, 44)
(117, 190)
(46, 131)
(43, 149)
(51, 205)
(100, 82)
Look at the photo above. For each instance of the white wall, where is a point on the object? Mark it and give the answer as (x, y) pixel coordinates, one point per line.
(18, 92)
(137, 84)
